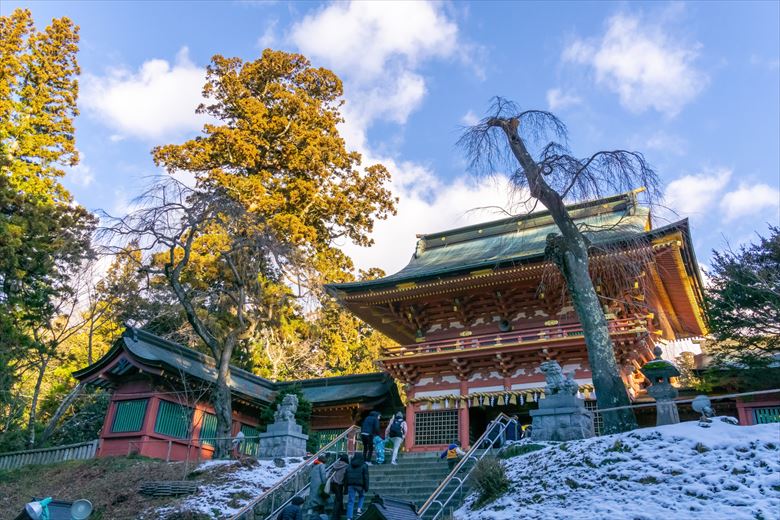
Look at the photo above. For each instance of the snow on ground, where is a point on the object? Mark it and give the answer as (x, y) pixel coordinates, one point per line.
(228, 485)
(676, 471)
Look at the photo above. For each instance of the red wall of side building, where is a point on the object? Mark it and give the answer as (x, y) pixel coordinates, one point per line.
(149, 443)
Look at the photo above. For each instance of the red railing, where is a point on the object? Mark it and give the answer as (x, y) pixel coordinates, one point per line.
(617, 326)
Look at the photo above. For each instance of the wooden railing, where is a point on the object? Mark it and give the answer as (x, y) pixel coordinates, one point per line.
(616, 326)
(80, 451)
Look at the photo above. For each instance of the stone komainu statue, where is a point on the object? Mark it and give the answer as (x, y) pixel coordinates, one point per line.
(557, 383)
(287, 409)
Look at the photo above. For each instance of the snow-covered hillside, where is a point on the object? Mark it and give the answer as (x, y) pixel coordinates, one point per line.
(227, 485)
(678, 471)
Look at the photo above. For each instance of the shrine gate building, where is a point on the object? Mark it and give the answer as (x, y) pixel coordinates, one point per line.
(478, 308)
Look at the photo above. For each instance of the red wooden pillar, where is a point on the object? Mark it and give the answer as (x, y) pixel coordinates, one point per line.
(147, 446)
(463, 417)
(409, 439)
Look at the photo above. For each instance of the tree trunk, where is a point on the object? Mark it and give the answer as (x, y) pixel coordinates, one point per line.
(610, 390)
(569, 251)
(223, 406)
(89, 340)
(34, 403)
(61, 409)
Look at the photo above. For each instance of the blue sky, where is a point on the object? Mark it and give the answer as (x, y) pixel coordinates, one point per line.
(694, 86)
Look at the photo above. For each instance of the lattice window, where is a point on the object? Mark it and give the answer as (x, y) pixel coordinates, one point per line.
(129, 416)
(766, 415)
(252, 442)
(436, 427)
(323, 437)
(598, 420)
(208, 429)
(173, 419)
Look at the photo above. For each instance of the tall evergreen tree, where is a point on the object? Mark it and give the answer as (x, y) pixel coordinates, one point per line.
(44, 236)
(743, 299)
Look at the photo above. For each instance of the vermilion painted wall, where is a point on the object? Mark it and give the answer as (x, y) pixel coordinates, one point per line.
(149, 443)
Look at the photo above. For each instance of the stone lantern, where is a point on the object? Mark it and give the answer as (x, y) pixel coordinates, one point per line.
(660, 372)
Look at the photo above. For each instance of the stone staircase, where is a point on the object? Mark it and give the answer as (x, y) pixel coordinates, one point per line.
(414, 478)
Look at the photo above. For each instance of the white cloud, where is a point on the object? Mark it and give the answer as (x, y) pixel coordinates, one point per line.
(425, 210)
(469, 118)
(363, 37)
(770, 64)
(663, 142)
(378, 48)
(156, 101)
(557, 99)
(749, 200)
(81, 174)
(693, 195)
(268, 38)
(648, 67)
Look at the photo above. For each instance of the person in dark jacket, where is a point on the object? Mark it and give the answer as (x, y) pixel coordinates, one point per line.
(337, 485)
(292, 511)
(368, 430)
(356, 480)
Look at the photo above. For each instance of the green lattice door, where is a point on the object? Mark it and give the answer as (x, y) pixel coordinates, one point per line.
(252, 443)
(766, 415)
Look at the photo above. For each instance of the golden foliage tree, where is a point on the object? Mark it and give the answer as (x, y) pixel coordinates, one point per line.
(275, 189)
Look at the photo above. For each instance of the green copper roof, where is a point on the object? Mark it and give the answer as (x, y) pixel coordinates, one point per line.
(507, 241)
(146, 349)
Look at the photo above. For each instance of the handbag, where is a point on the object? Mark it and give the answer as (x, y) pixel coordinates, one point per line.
(327, 487)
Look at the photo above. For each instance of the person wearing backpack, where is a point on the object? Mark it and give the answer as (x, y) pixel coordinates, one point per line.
(356, 481)
(396, 431)
(368, 430)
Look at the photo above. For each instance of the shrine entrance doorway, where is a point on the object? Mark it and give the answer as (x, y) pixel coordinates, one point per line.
(480, 417)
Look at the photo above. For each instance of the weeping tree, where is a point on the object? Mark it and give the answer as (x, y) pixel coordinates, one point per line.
(533, 145)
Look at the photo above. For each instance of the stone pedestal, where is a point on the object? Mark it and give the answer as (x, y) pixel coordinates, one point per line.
(283, 439)
(561, 417)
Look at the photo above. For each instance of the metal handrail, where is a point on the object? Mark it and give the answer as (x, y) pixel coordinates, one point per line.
(471, 455)
(249, 508)
(300, 492)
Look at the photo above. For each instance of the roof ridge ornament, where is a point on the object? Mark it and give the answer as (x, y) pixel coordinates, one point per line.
(130, 331)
